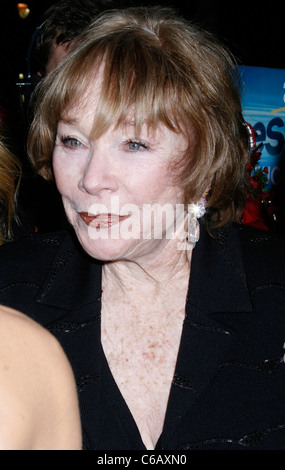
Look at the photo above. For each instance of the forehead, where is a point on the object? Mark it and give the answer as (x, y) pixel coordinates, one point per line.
(89, 91)
(101, 107)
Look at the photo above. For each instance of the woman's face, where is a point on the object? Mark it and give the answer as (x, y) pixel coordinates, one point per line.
(118, 191)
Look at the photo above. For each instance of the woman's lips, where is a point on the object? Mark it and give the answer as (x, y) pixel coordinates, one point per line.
(102, 220)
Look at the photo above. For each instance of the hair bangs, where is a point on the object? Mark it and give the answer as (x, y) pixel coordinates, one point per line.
(136, 87)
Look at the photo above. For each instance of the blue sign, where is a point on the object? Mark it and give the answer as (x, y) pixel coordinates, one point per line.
(263, 103)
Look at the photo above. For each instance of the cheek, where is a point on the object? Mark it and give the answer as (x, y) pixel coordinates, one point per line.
(64, 178)
(150, 178)
(158, 185)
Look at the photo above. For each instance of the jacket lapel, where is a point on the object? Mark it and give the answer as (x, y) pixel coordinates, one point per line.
(218, 280)
(74, 279)
(217, 286)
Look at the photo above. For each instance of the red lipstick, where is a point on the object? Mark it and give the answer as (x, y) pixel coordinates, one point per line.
(102, 220)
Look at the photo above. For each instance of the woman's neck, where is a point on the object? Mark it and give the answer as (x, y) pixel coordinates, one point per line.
(143, 310)
(169, 267)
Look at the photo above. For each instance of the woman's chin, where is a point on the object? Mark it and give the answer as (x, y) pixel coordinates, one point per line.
(104, 249)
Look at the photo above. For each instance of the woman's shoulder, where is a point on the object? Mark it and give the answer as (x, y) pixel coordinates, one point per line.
(263, 254)
(263, 244)
(20, 334)
(31, 255)
(34, 240)
(38, 400)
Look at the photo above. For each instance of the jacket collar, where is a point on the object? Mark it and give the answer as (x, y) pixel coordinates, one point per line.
(74, 279)
(217, 281)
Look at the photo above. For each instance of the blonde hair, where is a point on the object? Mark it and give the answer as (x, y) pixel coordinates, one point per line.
(10, 171)
(166, 71)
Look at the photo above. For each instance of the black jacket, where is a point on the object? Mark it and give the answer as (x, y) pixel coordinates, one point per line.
(228, 388)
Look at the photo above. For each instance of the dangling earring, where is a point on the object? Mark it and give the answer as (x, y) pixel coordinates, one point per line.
(195, 211)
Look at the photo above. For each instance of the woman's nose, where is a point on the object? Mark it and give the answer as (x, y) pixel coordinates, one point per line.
(98, 174)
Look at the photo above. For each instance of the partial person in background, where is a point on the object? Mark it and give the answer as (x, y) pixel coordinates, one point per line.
(61, 25)
(10, 174)
(38, 398)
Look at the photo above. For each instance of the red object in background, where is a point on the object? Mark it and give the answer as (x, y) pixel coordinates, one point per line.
(259, 210)
(253, 214)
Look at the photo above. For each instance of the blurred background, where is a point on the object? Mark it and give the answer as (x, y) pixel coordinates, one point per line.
(254, 31)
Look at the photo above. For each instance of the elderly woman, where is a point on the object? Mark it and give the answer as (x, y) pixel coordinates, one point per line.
(171, 313)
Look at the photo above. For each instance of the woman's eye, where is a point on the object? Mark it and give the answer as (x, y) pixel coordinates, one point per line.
(71, 142)
(135, 146)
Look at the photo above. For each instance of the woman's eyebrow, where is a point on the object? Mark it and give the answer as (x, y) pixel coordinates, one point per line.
(68, 120)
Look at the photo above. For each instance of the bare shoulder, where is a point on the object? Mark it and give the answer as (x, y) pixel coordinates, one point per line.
(38, 399)
(22, 340)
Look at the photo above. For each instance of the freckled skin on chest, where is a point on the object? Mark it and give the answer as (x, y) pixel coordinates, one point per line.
(141, 342)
